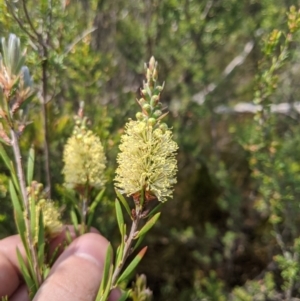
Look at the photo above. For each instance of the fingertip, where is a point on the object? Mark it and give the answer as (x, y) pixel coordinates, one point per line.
(77, 273)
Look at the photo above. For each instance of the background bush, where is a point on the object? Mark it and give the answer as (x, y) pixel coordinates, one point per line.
(238, 183)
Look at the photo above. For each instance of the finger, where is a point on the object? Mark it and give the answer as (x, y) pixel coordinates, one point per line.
(77, 273)
(21, 294)
(59, 243)
(10, 277)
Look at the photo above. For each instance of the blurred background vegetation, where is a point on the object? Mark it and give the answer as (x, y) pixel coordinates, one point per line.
(232, 230)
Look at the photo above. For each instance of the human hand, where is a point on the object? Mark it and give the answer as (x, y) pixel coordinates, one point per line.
(75, 275)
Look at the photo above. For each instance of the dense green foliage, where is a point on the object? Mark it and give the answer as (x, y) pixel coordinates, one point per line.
(232, 230)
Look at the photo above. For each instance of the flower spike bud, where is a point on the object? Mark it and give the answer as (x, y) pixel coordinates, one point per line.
(147, 164)
(152, 63)
(147, 160)
(84, 157)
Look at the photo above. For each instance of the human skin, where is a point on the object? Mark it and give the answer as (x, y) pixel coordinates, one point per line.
(75, 276)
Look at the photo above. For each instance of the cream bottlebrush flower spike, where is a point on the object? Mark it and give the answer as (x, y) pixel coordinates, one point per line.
(84, 157)
(51, 214)
(147, 161)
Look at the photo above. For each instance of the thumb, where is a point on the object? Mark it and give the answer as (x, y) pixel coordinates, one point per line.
(77, 273)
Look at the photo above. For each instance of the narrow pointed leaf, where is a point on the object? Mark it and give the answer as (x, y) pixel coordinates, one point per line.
(54, 254)
(120, 218)
(41, 240)
(33, 218)
(97, 200)
(68, 236)
(120, 250)
(124, 202)
(139, 241)
(25, 273)
(154, 210)
(125, 295)
(30, 166)
(9, 165)
(150, 223)
(134, 263)
(108, 285)
(106, 272)
(74, 220)
(19, 216)
(92, 208)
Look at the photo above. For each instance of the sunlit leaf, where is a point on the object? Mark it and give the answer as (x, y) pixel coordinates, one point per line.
(134, 263)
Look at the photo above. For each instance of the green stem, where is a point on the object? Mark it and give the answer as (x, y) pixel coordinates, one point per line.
(22, 183)
(128, 244)
(84, 210)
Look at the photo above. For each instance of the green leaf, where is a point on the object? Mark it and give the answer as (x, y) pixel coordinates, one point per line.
(139, 241)
(74, 220)
(68, 195)
(154, 210)
(31, 284)
(125, 295)
(97, 200)
(20, 222)
(150, 223)
(30, 166)
(68, 236)
(121, 247)
(19, 216)
(106, 273)
(55, 252)
(123, 201)
(120, 218)
(108, 285)
(9, 165)
(33, 218)
(41, 240)
(132, 265)
(93, 207)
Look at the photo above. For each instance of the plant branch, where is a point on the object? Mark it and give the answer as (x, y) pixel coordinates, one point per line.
(237, 61)
(33, 38)
(84, 209)
(29, 21)
(44, 56)
(78, 39)
(128, 243)
(22, 183)
(45, 118)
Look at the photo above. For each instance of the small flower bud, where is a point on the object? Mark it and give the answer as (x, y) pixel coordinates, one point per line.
(151, 121)
(163, 127)
(155, 74)
(158, 132)
(154, 100)
(40, 187)
(147, 107)
(159, 88)
(141, 101)
(144, 91)
(157, 113)
(139, 116)
(152, 63)
(148, 75)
